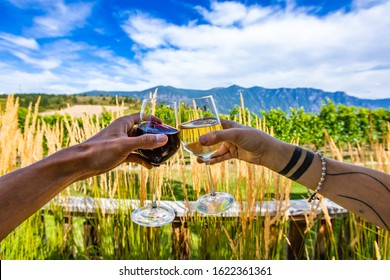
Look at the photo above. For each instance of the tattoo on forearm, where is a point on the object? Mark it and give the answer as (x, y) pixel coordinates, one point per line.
(293, 162)
(369, 206)
(361, 201)
(361, 173)
(309, 156)
(304, 166)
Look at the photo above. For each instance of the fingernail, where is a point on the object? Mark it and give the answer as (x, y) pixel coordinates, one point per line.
(203, 140)
(160, 137)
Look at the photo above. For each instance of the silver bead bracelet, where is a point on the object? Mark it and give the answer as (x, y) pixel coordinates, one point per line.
(313, 196)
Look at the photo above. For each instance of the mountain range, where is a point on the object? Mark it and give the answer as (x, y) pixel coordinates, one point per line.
(256, 98)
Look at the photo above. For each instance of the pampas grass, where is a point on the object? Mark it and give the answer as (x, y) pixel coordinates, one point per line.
(58, 234)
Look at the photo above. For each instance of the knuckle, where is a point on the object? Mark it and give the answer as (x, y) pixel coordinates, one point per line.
(145, 139)
(215, 136)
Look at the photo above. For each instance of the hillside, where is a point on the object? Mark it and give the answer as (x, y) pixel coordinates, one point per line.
(257, 98)
(56, 102)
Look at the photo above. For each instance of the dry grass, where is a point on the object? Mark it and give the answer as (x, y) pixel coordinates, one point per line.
(244, 237)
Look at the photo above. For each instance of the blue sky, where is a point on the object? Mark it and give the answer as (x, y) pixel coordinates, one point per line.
(59, 46)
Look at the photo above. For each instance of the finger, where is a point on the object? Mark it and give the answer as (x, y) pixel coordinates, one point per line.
(221, 151)
(126, 123)
(221, 158)
(136, 119)
(230, 124)
(147, 117)
(221, 154)
(140, 160)
(217, 136)
(146, 141)
(216, 159)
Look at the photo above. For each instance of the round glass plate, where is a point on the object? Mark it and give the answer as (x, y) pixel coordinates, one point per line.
(214, 204)
(153, 217)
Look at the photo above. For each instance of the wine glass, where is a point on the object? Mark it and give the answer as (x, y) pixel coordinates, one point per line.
(197, 117)
(156, 215)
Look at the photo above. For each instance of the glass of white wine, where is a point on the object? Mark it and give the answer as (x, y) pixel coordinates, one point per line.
(199, 116)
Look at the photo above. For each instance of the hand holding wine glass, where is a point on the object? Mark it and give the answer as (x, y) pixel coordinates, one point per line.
(198, 117)
(155, 215)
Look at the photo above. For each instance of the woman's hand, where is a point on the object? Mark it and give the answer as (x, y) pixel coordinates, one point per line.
(240, 142)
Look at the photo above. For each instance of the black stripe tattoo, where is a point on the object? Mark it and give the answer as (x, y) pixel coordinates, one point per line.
(356, 199)
(369, 206)
(293, 161)
(361, 173)
(304, 166)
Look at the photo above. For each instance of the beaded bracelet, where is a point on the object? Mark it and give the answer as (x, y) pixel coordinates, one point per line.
(321, 181)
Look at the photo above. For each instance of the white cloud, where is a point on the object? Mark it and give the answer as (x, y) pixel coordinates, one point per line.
(365, 4)
(47, 57)
(45, 64)
(250, 45)
(60, 19)
(11, 40)
(224, 13)
(270, 48)
(15, 80)
(64, 66)
(142, 29)
(23, 4)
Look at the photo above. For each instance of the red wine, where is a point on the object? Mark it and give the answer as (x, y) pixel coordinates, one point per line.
(159, 155)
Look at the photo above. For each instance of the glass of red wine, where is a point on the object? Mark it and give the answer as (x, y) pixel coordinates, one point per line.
(155, 215)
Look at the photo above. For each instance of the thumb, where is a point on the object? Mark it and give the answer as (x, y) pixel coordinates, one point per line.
(147, 141)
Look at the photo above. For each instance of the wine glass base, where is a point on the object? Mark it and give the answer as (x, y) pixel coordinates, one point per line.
(214, 204)
(148, 216)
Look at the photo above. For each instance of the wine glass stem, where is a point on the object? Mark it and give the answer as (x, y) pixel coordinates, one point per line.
(154, 186)
(209, 177)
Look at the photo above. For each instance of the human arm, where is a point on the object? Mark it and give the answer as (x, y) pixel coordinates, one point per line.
(361, 190)
(26, 190)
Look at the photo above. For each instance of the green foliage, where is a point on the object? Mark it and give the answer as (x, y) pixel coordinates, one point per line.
(51, 120)
(22, 114)
(345, 124)
(234, 112)
(167, 115)
(105, 118)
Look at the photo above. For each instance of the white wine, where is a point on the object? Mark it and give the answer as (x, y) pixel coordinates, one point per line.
(191, 131)
(206, 120)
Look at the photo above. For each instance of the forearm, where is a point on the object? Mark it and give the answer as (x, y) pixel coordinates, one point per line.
(363, 191)
(26, 190)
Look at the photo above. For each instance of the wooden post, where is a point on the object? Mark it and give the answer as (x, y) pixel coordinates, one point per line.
(90, 236)
(296, 238)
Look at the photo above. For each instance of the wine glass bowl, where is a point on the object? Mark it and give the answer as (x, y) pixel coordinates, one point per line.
(196, 118)
(155, 215)
(159, 155)
(191, 131)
